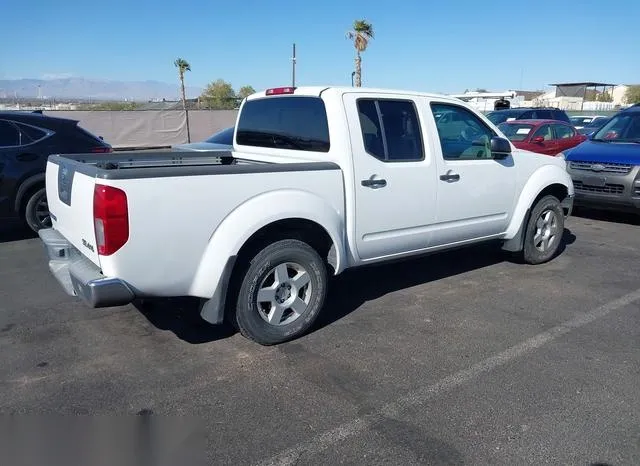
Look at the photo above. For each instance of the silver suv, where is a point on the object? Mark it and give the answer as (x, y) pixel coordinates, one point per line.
(605, 169)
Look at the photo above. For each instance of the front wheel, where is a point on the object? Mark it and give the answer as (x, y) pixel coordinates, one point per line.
(36, 212)
(281, 293)
(544, 231)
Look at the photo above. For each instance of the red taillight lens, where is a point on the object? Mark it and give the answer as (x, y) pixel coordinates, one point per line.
(110, 218)
(280, 90)
(101, 149)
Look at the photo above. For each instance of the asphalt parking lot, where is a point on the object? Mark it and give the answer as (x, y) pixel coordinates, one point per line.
(461, 358)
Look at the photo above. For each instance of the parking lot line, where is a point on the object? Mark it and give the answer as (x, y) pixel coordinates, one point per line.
(320, 442)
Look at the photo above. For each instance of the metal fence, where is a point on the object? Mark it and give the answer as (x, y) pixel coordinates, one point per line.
(149, 128)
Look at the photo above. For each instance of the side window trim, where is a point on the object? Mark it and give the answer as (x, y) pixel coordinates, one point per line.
(376, 101)
(383, 132)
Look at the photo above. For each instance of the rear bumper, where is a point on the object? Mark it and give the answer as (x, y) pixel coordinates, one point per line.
(80, 277)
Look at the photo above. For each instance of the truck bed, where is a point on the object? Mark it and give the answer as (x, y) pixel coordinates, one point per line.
(146, 164)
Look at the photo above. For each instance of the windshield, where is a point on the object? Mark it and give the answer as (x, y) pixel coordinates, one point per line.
(581, 120)
(597, 123)
(222, 137)
(624, 127)
(515, 131)
(502, 116)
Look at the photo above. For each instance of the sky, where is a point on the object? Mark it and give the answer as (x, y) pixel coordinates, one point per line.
(433, 46)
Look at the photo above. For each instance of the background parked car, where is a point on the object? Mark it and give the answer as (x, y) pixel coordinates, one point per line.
(606, 168)
(26, 141)
(548, 137)
(528, 113)
(580, 121)
(593, 126)
(222, 140)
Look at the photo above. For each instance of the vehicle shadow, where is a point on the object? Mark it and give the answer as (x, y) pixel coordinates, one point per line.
(607, 215)
(347, 292)
(12, 230)
(181, 317)
(355, 287)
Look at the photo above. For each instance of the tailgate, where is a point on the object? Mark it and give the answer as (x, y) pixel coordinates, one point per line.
(70, 199)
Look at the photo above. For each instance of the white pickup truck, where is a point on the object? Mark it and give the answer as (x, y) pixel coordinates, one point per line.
(319, 179)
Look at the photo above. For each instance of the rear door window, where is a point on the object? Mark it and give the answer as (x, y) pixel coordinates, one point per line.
(294, 123)
(564, 131)
(391, 129)
(31, 133)
(9, 134)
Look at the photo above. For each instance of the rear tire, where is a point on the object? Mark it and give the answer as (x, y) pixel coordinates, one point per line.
(544, 232)
(36, 212)
(281, 293)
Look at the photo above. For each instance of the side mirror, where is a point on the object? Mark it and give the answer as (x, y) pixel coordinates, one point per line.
(500, 148)
(538, 139)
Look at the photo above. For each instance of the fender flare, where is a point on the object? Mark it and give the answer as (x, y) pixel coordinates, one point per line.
(540, 180)
(251, 216)
(25, 186)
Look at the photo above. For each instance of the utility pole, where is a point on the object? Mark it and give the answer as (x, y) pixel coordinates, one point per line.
(293, 70)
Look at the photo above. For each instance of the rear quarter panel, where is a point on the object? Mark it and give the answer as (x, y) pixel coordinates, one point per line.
(173, 219)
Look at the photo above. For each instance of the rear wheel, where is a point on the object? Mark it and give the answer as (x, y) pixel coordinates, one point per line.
(36, 212)
(281, 293)
(544, 231)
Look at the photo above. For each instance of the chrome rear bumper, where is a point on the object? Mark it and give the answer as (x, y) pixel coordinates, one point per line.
(80, 277)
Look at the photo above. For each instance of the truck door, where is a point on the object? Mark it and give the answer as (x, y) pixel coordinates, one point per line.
(393, 175)
(476, 192)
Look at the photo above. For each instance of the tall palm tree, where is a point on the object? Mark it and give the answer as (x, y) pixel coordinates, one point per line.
(361, 33)
(183, 66)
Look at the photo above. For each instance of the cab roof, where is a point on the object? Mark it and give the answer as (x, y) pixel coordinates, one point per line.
(316, 91)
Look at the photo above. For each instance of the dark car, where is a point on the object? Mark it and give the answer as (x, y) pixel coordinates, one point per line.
(593, 126)
(222, 141)
(26, 141)
(528, 113)
(605, 169)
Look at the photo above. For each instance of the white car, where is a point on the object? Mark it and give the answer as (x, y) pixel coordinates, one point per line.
(320, 179)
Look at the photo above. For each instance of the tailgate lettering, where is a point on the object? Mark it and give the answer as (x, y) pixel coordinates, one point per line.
(88, 245)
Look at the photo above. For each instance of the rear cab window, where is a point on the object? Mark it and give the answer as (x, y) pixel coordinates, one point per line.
(291, 122)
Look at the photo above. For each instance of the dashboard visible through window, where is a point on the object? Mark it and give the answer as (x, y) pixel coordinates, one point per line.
(463, 136)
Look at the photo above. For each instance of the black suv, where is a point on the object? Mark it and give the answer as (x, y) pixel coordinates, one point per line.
(528, 113)
(26, 141)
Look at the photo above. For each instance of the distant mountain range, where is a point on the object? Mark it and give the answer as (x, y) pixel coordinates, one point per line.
(85, 88)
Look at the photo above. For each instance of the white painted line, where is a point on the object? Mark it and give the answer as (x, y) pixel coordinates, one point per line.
(323, 441)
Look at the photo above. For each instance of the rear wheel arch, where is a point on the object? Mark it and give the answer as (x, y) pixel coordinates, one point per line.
(26, 189)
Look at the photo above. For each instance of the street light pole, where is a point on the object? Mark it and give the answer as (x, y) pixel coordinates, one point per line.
(293, 70)
(353, 73)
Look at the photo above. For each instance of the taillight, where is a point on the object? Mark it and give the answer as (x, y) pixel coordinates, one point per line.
(101, 149)
(110, 218)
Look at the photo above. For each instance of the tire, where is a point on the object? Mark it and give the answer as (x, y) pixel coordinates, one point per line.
(544, 232)
(36, 213)
(293, 280)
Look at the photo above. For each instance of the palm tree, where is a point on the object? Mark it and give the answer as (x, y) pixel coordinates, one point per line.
(183, 66)
(361, 34)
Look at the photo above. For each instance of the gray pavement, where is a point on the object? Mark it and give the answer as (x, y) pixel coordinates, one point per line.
(460, 358)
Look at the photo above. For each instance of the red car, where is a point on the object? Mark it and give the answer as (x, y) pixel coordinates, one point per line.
(548, 137)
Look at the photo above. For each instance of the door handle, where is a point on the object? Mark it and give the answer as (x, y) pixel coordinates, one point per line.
(375, 184)
(450, 177)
